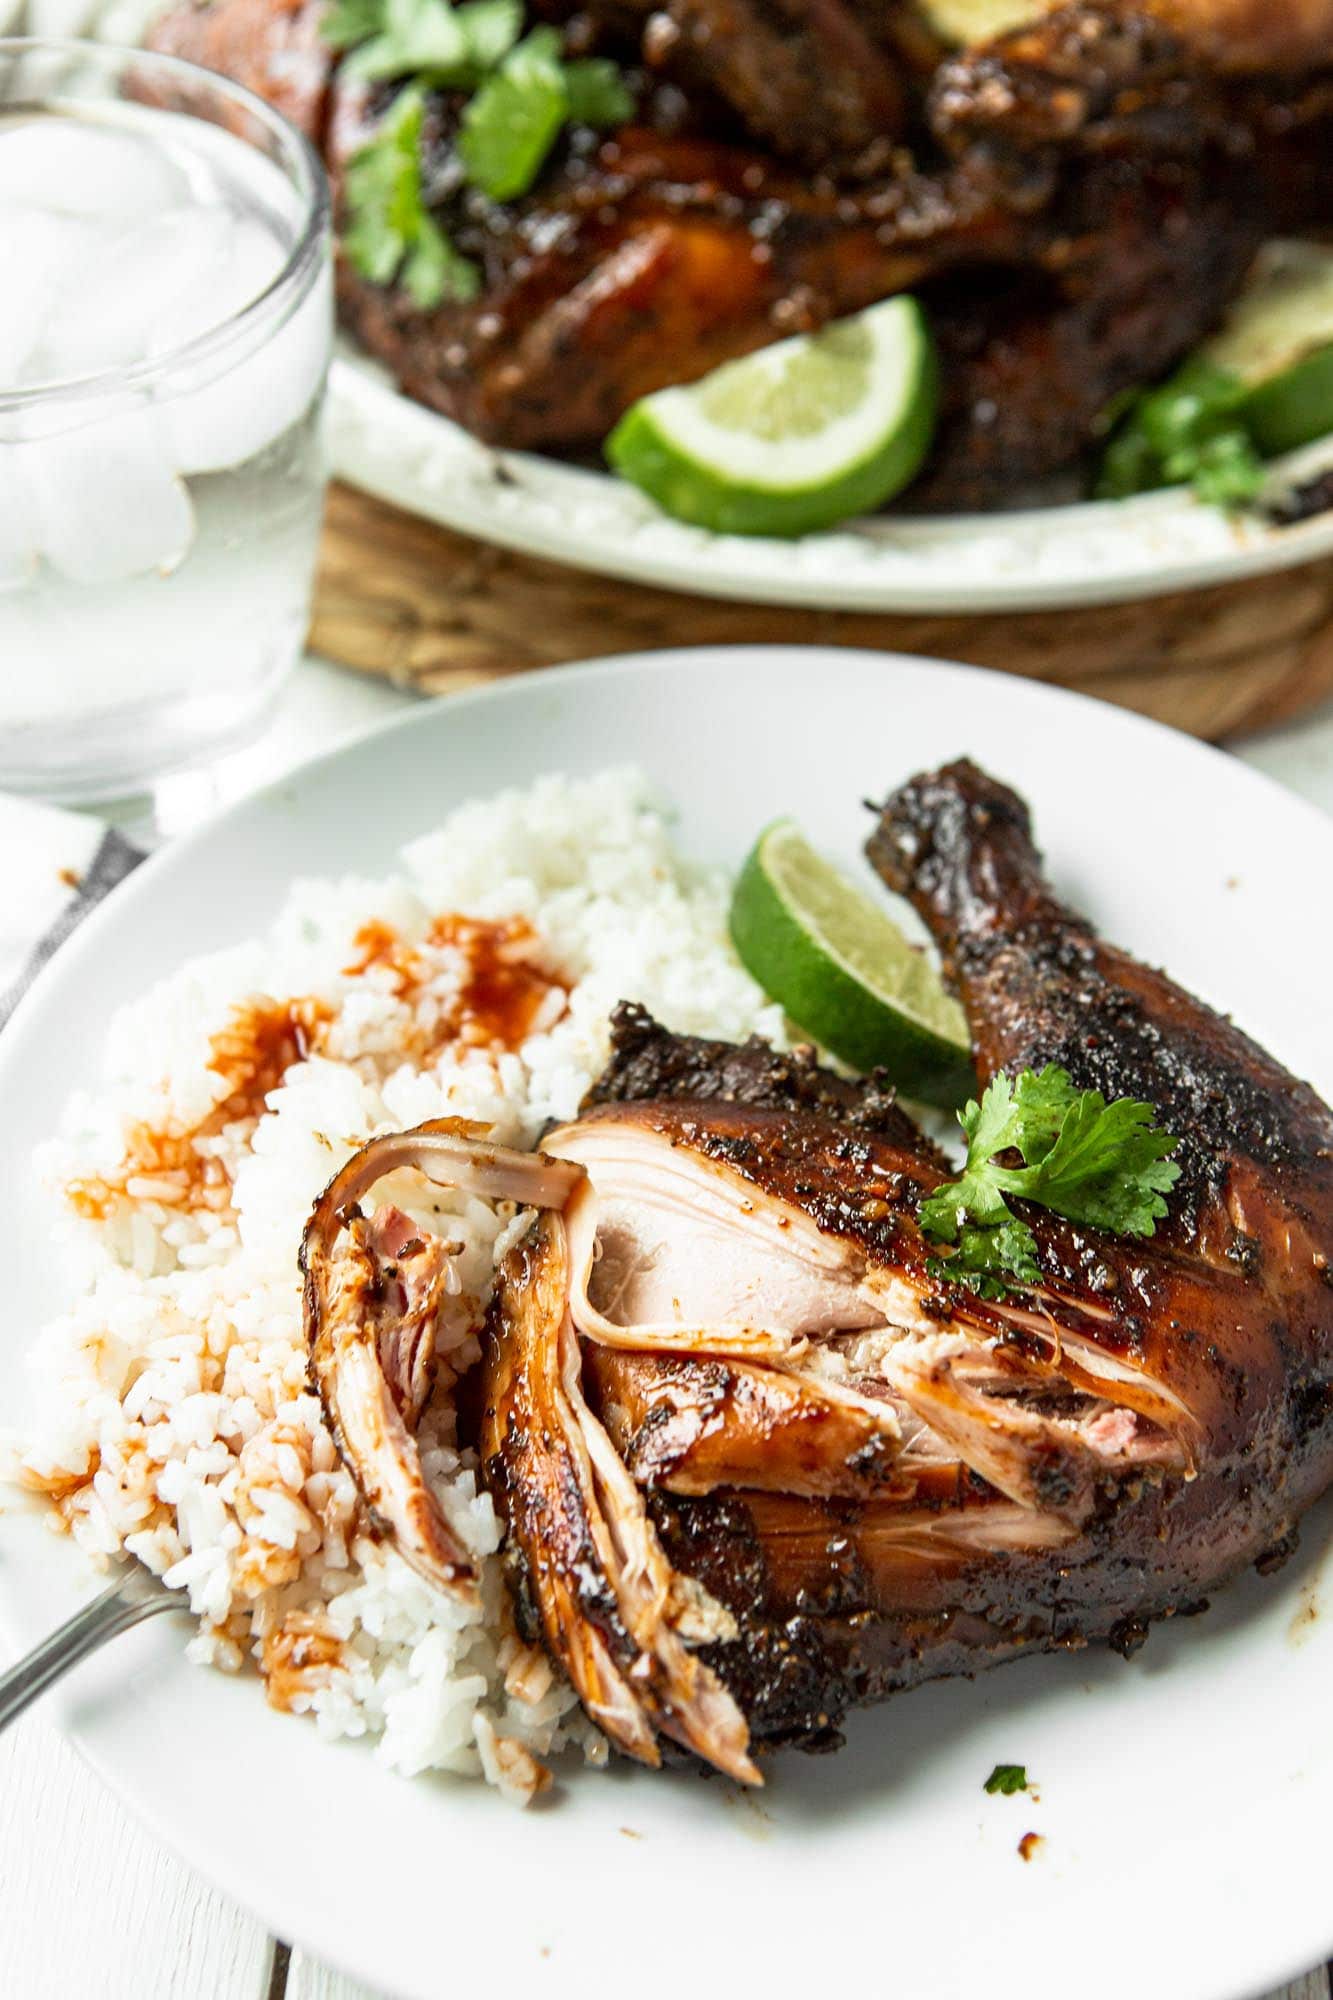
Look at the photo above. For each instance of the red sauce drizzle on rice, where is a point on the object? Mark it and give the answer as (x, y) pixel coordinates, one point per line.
(503, 991)
(503, 988)
(251, 1054)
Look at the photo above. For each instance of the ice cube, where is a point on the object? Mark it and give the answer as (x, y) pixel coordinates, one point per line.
(39, 252)
(126, 22)
(252, 259)
(109, 504)
(82, 168)
(252, 404)
(18, 540)
(60, 20)
(106, 316)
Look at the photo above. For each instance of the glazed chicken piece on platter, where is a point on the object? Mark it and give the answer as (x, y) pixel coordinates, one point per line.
(1251, 36)
(761, 1460)
(1075, 203)
(1130, 82)
(820, 81)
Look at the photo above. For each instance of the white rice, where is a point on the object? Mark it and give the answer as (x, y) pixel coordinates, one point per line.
(175, 1421)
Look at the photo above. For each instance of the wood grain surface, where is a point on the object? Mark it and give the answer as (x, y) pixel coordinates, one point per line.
(92, 1905)
(309, 1981)
(431, 610)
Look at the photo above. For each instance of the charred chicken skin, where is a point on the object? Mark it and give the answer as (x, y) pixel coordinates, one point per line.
(1076, 202)
(759, 1460)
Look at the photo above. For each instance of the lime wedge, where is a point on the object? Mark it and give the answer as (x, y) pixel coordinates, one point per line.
(843, 971)
(1278, 340)
(1295, 408)
(796, 437)
(964, 23)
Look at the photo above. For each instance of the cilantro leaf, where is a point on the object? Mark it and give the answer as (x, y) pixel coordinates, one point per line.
(981, 1256)
(417, 36)
(1227, 470)
(1007, 1779)
(1108, 1167)
(433, 270)
(391, 233)
(1188, 430)
(430, 40)
(1104, 1165)
(492, 27)
(512, 122)
(596, 93)
(347, 22)
(974, 1198)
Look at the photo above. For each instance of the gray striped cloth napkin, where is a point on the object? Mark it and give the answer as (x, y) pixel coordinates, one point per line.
(58, 866)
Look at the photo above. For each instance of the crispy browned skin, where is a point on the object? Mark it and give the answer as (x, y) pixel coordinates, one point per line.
(1141, 261)
(563, 1592)
(848, 1577)
(1253, 35)
(1117, 82)
(647, 1063)
(820, 81)
(589, 1572)
(1092, 77)
(1121, 80)
(689, 1426)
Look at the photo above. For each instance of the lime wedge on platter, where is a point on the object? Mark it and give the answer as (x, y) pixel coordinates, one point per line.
(843, 971)
(796, 437)
(1278, 341)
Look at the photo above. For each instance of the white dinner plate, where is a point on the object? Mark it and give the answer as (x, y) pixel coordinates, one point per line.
(1094, 552)
(1183, 1795)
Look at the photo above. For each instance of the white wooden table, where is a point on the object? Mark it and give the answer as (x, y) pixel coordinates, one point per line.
(90, 1904)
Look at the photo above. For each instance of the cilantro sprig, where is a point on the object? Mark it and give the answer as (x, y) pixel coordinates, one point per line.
(522, 94)
(392, 233)
(1188, 431)
(1105, 1165)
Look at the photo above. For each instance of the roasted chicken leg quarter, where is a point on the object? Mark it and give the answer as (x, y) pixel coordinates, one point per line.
(761, 1460)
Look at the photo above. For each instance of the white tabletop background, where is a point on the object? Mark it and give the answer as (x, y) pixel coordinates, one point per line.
(90, 1905)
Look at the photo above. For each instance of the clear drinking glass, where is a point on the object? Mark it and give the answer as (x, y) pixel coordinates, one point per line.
(165, 326)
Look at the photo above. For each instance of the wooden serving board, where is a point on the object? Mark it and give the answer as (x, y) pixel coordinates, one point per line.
(435, 611)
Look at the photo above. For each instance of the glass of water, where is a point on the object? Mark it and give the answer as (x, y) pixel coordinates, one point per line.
(165, 328)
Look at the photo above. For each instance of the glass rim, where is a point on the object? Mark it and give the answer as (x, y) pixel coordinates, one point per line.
(300, 267)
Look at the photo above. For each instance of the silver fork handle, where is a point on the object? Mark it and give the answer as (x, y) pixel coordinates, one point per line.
(114, 1611)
